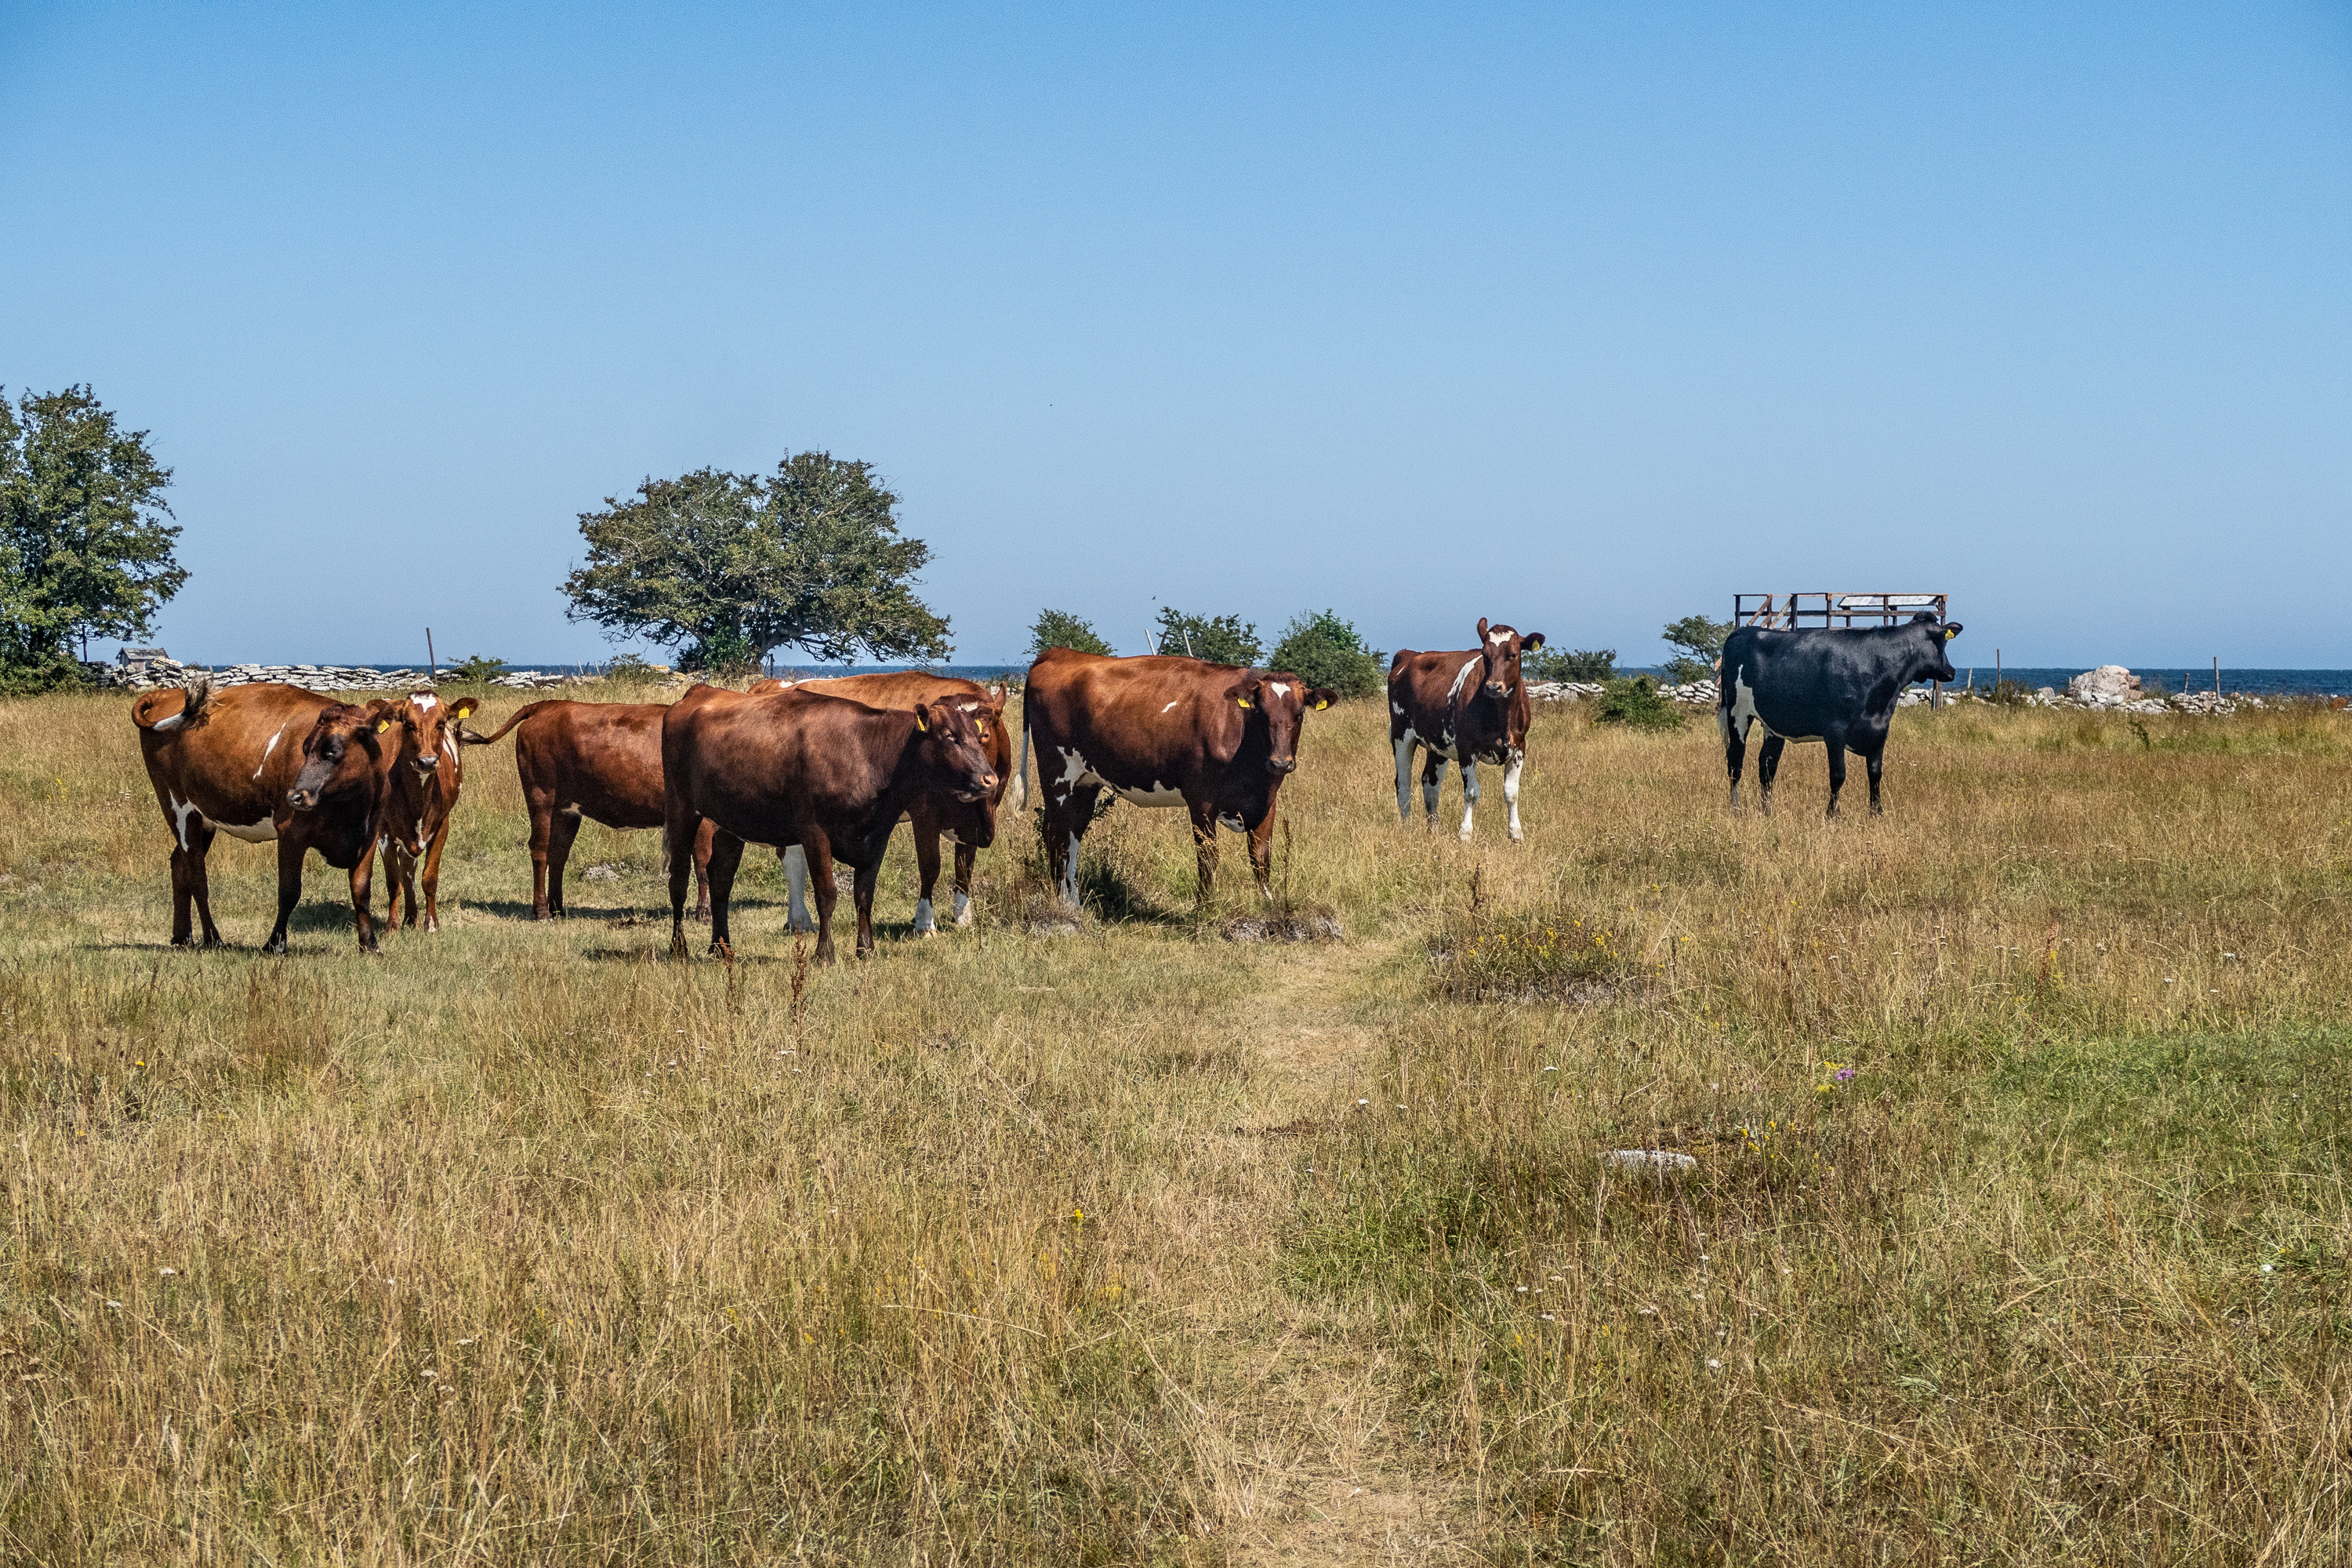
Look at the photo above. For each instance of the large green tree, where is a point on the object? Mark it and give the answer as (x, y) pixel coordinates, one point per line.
(1321, 649)
(1220, 639)
(1060, 628)
(84, 549)
(729, 567)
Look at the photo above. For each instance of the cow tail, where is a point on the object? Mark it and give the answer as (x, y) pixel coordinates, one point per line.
(1021, 771)
(467, 737)
(148, 711)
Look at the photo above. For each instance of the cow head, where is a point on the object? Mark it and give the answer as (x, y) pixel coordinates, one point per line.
(342, 753)
(1939, 662)
(951, 747)
(1285, 701)
(427, 730)
(1501, 647)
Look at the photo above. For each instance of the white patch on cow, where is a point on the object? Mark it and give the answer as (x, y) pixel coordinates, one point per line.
(924, 924)
(962, 909)
(425, 701)
(1075, 771)
(1070, 873)
(1498, 638)
(1397, 709)
(1460, 676)
(970, 707)
(1469, 795)
(1511, 791)
(173, 722)
(1234, 823)
(1742, 716)
(796, 914)
(947, 836)
(1281, 688)
(270, 747)
(181, 812)
(1158, 795)
(1171, 705)
(1404, 776)
(260, 831)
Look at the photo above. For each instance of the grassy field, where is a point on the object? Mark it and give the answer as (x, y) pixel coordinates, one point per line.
(2018, 1231)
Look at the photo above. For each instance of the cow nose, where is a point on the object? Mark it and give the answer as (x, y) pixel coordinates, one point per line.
(299, 799)
(427, 764)
(1280, 764)
(1496, 689)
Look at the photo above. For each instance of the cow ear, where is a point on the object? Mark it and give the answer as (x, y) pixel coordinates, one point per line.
(1951, 630)
(1532, 641)
(1482, 631)
(922, 723)
(382, 724)
(1321, 697)
(464, 707)
(1244, 692)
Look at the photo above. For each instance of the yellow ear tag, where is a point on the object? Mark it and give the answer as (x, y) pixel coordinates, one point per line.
(1243, 700)
(466, 709)
(918, 721)
(1319, 706)
(1949, 634)
(381, 725)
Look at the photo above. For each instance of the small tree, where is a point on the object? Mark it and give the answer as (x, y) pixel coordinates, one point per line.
(1059, 628)
(1701, 642)
(731, 567)
(1585, 664)
(1639, 703)
(1221, 639)
(1321, 649)
(84, 551)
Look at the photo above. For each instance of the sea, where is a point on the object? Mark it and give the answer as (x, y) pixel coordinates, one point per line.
(2258, 682)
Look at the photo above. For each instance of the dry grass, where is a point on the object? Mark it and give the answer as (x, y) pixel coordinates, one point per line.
(1135, 1243)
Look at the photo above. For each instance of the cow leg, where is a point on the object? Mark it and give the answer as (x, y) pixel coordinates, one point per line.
(683, 826)
(362, 886)
(796, 913)
(543, 818)
(1767, 768)
(1511, 793)
(927, 864)
(1068, 814)
(1261, 843)
(561, 831)
(967, 860)
(399, 876)
(289, 888)
(1404, 778)
(702, 872)
(1735, 755)
(432, 879)
(820, 864)
(191, 884)
(725, 857)
(1204, 851)
(1433, 777)
(1469, 791)
(1874, 761)
(1837, 771)
(862, 889)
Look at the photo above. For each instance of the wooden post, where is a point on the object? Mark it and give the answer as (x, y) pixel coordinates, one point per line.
(432, 664)
(2217, 676)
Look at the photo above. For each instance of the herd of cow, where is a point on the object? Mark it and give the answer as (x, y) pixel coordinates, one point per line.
(823, 771)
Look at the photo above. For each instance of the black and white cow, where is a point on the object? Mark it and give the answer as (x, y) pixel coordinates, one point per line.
(1819, 684)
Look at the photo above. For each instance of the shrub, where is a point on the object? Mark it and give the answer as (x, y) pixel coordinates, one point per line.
(1059, 628)
(1637, 702)
(1585, 664)
(476, 670)
(1321, 649)
(633, 670)
(1221, 639)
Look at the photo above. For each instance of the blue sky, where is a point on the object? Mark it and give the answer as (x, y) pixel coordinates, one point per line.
(1579, 318)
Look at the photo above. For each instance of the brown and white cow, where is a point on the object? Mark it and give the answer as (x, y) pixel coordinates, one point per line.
(602, 761)
(426, 770)
(1162, 730)
(828, 774)
(933, 817)
(261, 763)
(1466, 707)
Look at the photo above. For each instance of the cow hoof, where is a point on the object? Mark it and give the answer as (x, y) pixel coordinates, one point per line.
(964, 921)
(1518, 838)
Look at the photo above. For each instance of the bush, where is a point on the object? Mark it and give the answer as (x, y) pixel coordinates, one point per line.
(24, 674)
(1585, 664)
(1059, 628)
(633, 670)
(1221, 639)
(476, 670)
(1321, 649)
(1637, 702)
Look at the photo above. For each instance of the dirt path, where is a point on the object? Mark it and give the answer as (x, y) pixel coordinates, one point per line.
(1302, 1431)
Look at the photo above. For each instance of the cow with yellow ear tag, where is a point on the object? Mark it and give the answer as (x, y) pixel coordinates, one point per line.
(428, 769)
(265, 763)
(1161, 731)
(1465, 707)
